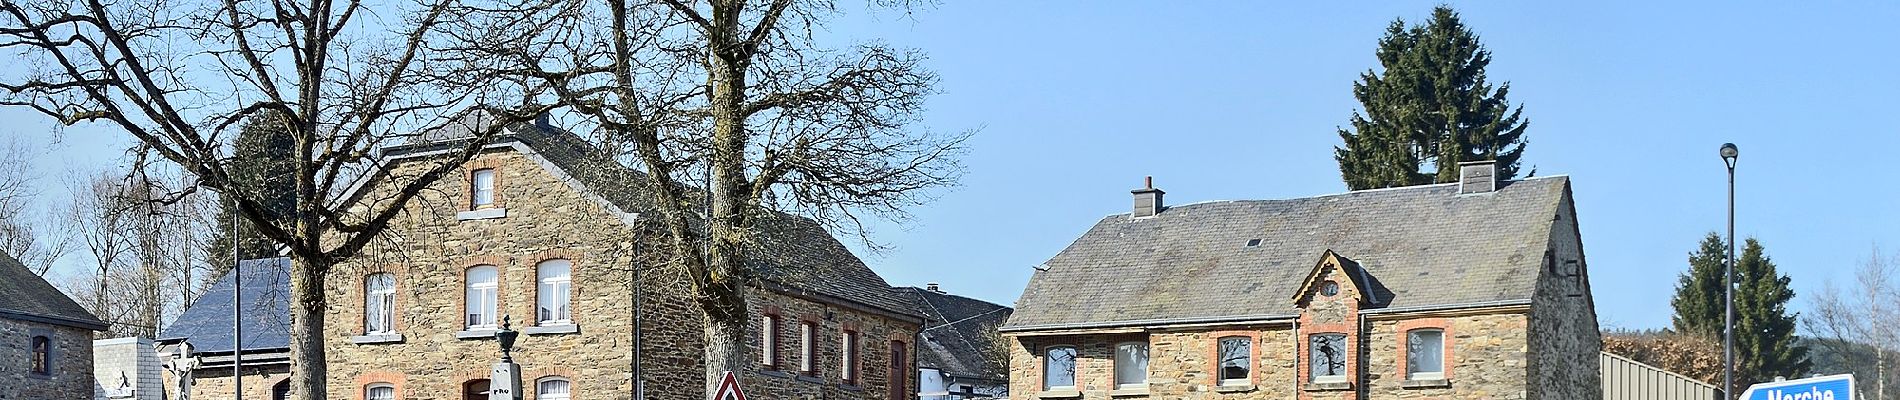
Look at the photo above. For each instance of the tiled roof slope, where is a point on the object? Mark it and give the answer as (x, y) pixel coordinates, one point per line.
(794, 253)
(1423, 246)
(959, 336)
(26, 296)
(266, 289)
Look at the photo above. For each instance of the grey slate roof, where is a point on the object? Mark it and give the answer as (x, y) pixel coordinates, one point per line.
(959, 336)
(26, 296)
(793, 253)
(1423, 246)
(266, 312)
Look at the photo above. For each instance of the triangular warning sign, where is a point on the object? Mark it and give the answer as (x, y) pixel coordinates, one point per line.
(729, 388)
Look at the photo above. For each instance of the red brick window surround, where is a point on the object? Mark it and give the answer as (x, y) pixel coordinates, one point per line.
(1233, 358)
(480, 301)
(808, 347)
(1429, 341)
(848, 361)
(482, 183)
(554, 292)
(553, 388)
(1059, 367)
(1328, 357)
(768, 340)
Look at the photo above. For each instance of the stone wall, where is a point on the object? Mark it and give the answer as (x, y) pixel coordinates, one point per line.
(877, 334)
(1565, 341)
(1485, 357)
(431, 245)
(131, 362)
(216, 383)
(71, 358)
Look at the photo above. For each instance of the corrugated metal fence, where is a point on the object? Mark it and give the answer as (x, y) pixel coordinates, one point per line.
(1626, 379)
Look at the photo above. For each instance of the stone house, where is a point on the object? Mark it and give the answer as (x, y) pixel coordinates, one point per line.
(45, 338)
(959, 354)
(544, 232)
(199, 345)
(1469, 290)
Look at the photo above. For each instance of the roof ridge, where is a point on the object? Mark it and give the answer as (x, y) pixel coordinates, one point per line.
(1347, 193)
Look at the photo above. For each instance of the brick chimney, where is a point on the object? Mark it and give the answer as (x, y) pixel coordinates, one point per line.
(1477, 176)
(1148, 199)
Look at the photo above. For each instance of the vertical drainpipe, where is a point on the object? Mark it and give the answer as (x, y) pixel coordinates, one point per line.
(639, 297)
(1296, 355)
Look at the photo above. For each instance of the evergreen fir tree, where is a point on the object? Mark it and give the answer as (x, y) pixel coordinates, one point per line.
(1765, 344)
(1698, 300)
(261, 162)
(1431, 104)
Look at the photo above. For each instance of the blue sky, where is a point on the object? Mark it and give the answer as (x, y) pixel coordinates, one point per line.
(1077, 101)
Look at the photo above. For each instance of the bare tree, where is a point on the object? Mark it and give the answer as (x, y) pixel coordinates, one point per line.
(737, 97)
(346, 79)
(1854, 320)
(25, 232)
(97, 219)
(142, 259)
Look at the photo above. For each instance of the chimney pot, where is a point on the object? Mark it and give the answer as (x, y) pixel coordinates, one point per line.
(933, 288)
(1477, 176)
(1148, 199)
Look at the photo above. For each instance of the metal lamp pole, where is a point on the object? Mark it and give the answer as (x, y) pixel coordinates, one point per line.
(1729, 155)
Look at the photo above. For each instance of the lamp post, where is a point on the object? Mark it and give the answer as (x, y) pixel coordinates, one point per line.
(1729, 155)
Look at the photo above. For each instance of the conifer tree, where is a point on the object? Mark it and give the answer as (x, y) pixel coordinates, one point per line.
(1431, 105)
(263, 163)
(1764, 329)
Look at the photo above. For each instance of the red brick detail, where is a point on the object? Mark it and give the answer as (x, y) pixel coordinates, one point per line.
(811, 351)
(1348, 297)
(776, 331)
(1253, 358)
(394, 379)
(531, 381)
(1042, 364)
(1404, 332)
(501, 285)
(534, 282)
(848, 337)
(553, 254)
(1114, 346)
(468, 182)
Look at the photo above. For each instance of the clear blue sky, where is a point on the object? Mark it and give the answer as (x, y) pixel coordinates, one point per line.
(1077, 101)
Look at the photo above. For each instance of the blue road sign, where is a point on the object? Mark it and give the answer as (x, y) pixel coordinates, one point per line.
(1832, 387)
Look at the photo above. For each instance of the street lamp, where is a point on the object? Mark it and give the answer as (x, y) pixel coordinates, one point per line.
(1729, 155)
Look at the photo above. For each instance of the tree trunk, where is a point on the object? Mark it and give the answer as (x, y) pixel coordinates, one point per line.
(309, 372)
(725, 351)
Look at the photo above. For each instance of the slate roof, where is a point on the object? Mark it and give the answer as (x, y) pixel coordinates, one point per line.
(1423, 246)
(959, 336)
(793, 253)
(26, 296)
(266, 312)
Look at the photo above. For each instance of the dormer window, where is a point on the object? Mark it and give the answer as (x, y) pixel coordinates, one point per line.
(482, 188)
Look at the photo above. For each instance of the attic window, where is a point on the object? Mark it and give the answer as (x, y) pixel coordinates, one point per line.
(1329, 288)
(1253, 242)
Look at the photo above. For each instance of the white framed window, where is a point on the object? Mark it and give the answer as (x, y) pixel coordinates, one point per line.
(807, 350)
(1058, 368)
(1328, 357)
(554, 295)
(379, 303)
(1425, 354)
(482, 285)
(379, 391)
(552, 388)
(1236, 360)
(768, 341)
(481, 184)
(848, 362)
(1131, 365)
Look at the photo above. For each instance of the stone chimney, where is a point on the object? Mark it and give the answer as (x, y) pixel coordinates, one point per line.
(1148, 199)
(1477, 176)
(934, 288)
